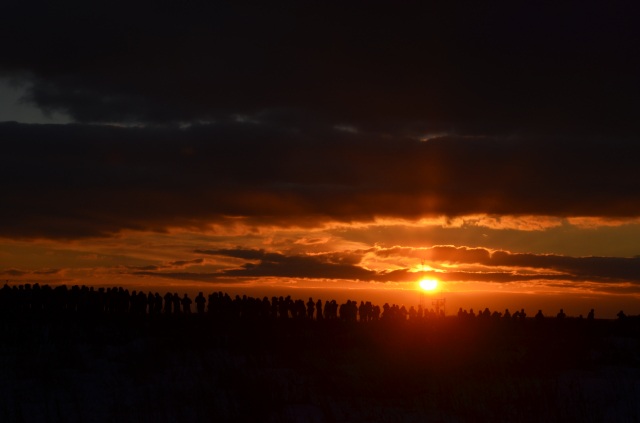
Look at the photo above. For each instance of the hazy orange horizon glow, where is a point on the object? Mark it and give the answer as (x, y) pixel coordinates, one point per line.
(382, 262)
(466, 295)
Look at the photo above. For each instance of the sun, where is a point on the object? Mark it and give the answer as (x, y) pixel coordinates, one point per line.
(428, 284)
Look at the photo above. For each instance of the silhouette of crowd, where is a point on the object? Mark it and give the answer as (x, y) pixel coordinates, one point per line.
(281, 349)
(36, 298)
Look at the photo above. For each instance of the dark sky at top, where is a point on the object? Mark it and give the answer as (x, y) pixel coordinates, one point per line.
(313, 111)
(504, 67)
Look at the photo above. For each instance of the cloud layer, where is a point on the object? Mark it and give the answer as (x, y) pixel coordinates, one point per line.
(317, 112)
(463, 65)
(72, 181)
(495, 266)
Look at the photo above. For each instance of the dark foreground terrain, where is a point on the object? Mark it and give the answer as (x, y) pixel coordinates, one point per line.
(121, 368)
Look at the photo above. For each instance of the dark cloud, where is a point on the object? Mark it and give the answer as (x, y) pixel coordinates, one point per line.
(247, 254)
(318, 266)
(506, 276)
(47, 272)
(615, 269)
(14, 272)
(312, 112)
(171, 265)
(439, 253)
(542, 266)
(182, 263)
(464, 65)
(502, 267)
(21, 273)
(147, 268)
(190, 276)
(74, 181)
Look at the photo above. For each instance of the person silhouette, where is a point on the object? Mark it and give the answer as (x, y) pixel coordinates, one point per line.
(186, 304)
(561, 315)
(151, 303)
(311, 306)
(362, 313)
(283, 310)
(375, 312)
(200, 303)
(176, 303)
(591, 315)
(413, 314)
(319, 310)
(168, 303)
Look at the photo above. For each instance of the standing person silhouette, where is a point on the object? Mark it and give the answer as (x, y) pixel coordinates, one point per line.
(168, 303)
(200, 303)
(319, 310)
(176, 303)
(186, 304)
(311, 305)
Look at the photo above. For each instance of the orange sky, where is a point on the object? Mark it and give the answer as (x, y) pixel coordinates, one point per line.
(542, 263)
(332, 146)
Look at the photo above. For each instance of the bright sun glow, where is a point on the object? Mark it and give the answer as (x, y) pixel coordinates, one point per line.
(428, 284)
